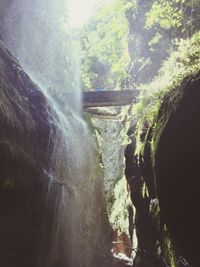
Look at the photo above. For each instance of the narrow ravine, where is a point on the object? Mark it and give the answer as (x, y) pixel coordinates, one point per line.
(107, 183)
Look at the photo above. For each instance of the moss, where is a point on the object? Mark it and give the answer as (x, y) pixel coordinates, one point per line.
(157, 101)
(164, 89)
(8, 183)
(88, 120)
(170, 103)
(169, 248)
(94, 131)
(118, 214)
(181, 63)
(116, 201)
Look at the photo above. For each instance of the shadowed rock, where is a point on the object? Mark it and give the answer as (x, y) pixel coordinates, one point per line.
(52, 211)
(177, 166)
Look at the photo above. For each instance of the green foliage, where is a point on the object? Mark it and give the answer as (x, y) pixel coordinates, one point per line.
(153, 27)
(179, 17)
(105, 54)
(168, 27)
(164, 14)
(165, 22)
(118, 214)
(182, 62)
(94, 131)
(169, 248)
(155, 40)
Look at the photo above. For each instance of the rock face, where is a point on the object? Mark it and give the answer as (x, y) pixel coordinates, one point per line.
(110, 133)
(110, 140)
(52, 211)
(23, 140)
(112, 155)
(169, 167)
(147, 254)
(177, 166)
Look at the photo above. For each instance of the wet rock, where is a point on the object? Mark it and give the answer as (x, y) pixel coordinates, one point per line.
(23, 154)
(110, 137)
(52, 212)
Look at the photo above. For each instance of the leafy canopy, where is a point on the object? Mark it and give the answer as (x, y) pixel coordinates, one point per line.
(105, 55)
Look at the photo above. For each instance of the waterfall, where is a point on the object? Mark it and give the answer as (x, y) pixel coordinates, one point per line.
(35, 32)
(38, 33)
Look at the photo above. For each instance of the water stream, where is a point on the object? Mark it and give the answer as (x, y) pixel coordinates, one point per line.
(39, 35)
(36, 33)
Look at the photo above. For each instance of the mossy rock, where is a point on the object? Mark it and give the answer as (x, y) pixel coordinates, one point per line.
(176, 146)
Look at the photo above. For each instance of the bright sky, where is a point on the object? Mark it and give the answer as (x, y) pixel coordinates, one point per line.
(80, 11)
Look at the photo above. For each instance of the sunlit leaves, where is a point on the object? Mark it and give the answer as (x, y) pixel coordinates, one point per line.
(156, 39)
(181, 63)
(164, 14)
(105, 40)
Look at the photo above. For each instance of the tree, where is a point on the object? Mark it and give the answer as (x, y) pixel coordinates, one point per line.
(105, 55)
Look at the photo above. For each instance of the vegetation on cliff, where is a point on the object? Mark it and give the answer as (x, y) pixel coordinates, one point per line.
(126, 41)
(162, 38)
(181, 63)
(163, 41)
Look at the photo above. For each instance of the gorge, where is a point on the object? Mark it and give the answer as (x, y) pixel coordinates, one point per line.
(100, 187)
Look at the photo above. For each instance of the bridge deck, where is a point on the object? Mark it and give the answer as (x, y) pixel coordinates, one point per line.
(109, 98)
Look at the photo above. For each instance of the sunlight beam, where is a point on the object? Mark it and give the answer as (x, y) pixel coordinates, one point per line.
(80, 11)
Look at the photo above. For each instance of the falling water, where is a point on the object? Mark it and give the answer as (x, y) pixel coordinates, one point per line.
(36, 32)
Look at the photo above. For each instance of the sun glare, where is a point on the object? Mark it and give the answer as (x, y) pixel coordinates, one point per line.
(80, 11)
